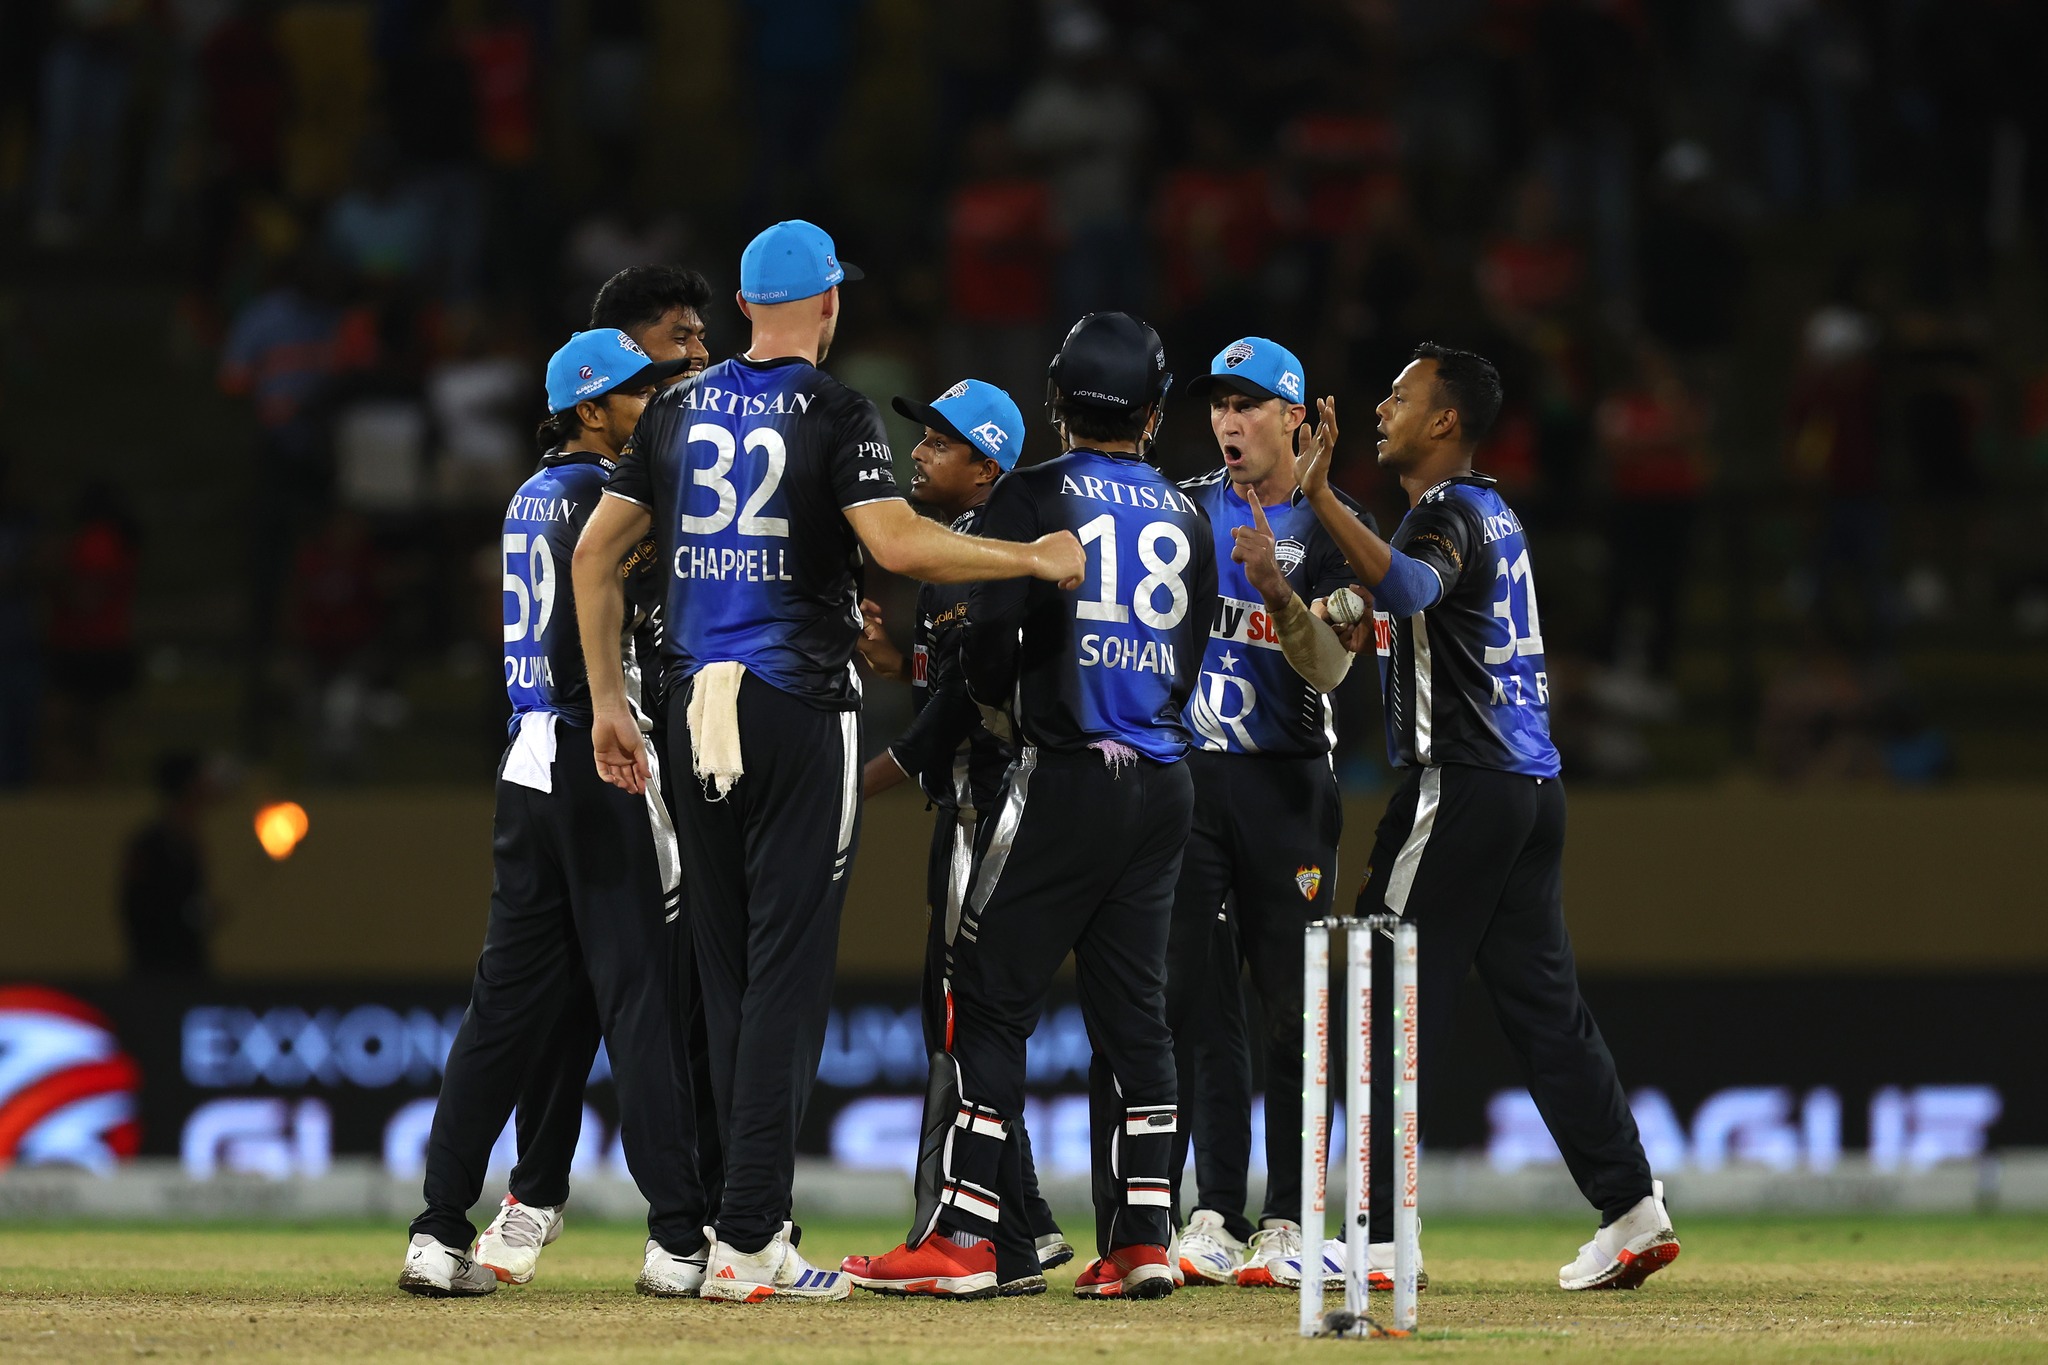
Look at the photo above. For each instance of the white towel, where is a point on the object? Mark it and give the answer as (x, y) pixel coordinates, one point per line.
(714, 717)
(530, 761)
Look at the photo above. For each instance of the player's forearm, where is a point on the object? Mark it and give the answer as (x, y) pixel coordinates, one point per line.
(600, 598)
(1368, 555)
(1311, 646)
(600, 616)
(881, 773)
(930, 553)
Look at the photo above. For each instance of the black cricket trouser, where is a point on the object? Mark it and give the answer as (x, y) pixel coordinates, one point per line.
(954, 842)
(1082, 858)
(1264, 839)
(766, 868)
(549, 1118)
(1475, 857)
(576, 899)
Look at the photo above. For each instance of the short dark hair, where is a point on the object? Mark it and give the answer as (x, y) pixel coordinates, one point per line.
(639, 295)
(1096, 422)
(1469, 383)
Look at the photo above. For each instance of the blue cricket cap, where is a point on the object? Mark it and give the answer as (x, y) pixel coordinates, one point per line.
(789, 261)
(980, 414)
(1258, 367)
(591, 364)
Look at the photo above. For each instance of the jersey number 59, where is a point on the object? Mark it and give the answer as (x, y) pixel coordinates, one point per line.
(533, 591)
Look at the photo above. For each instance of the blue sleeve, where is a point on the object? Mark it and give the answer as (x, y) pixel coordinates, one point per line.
(1409, 587)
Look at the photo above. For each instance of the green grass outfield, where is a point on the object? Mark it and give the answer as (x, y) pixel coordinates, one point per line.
(1836, 1288)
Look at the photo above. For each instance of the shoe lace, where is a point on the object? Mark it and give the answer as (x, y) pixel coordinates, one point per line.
(521, 1227)
(1272, 1242)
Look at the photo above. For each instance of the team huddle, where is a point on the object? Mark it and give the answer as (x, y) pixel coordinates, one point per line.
(1121, 692)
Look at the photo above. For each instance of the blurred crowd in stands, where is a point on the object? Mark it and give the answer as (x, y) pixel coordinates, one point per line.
(1763, 278)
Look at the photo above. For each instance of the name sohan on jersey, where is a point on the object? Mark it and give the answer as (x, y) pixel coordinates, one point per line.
(1098, 650)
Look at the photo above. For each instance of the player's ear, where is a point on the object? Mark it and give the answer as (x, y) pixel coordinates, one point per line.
(741, 300)
(831, 304)
(590, 413)
(990, 471)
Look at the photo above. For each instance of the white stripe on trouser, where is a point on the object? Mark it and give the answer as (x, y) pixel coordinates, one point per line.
(1151, 1118)
(849, 787)
(1401, 881)
(668, 856)
(1001, 841)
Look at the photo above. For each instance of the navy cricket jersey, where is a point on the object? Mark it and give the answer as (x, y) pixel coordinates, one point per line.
(952, 754)
(1115, 659)
(1465, 680)
(746, 470)
(1250, 700)
(543, 652)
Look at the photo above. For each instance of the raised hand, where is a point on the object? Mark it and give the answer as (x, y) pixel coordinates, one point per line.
(1257, 550)
(1315, 449)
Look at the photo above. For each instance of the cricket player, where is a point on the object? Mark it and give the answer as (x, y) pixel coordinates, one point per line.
(763, 478)
(1267, 818)
(1472, 844)
(579, 867)
(1091, 682)
(973, 435)
(662, 308)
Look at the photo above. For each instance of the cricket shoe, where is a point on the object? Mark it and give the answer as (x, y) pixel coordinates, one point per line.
(1627, 1251)
(1023, 1287)
(1270, 1245)
(1379, 1266)
(437, 1271)
(510, 1246)
(939, 1268)
(666, 1275)
(1207, 1253)
(1054, 1250)
(776, 1271)
(1287, 1270)
(1132, 1272)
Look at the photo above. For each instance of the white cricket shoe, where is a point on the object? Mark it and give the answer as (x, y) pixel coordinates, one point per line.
(1627, 1251)
(669, 1276)
(1053, 1250)
(775, 1271)
(510, 1246)
(1287, 1270)
(1270, 1245)
(1379, 1265)
(1207, 1253)
(437, 1271)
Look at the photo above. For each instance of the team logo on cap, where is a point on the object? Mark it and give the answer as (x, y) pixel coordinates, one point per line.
(583, 372)
(627, 343)
(1310, 880)
(953, 392)
(1290, 384)
(69, 1092)
(990, 436)
(1239, 352)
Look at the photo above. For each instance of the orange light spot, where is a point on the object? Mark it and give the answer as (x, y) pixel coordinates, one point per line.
(279, 827)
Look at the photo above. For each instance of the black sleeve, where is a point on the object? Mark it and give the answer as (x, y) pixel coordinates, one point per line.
(632, 479)
(1442, 535)
(948, 718)
(859, 463)
(996, 609)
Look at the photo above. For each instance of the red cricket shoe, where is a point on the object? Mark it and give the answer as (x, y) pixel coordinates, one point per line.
(1132, 1272)
(938, 1269)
